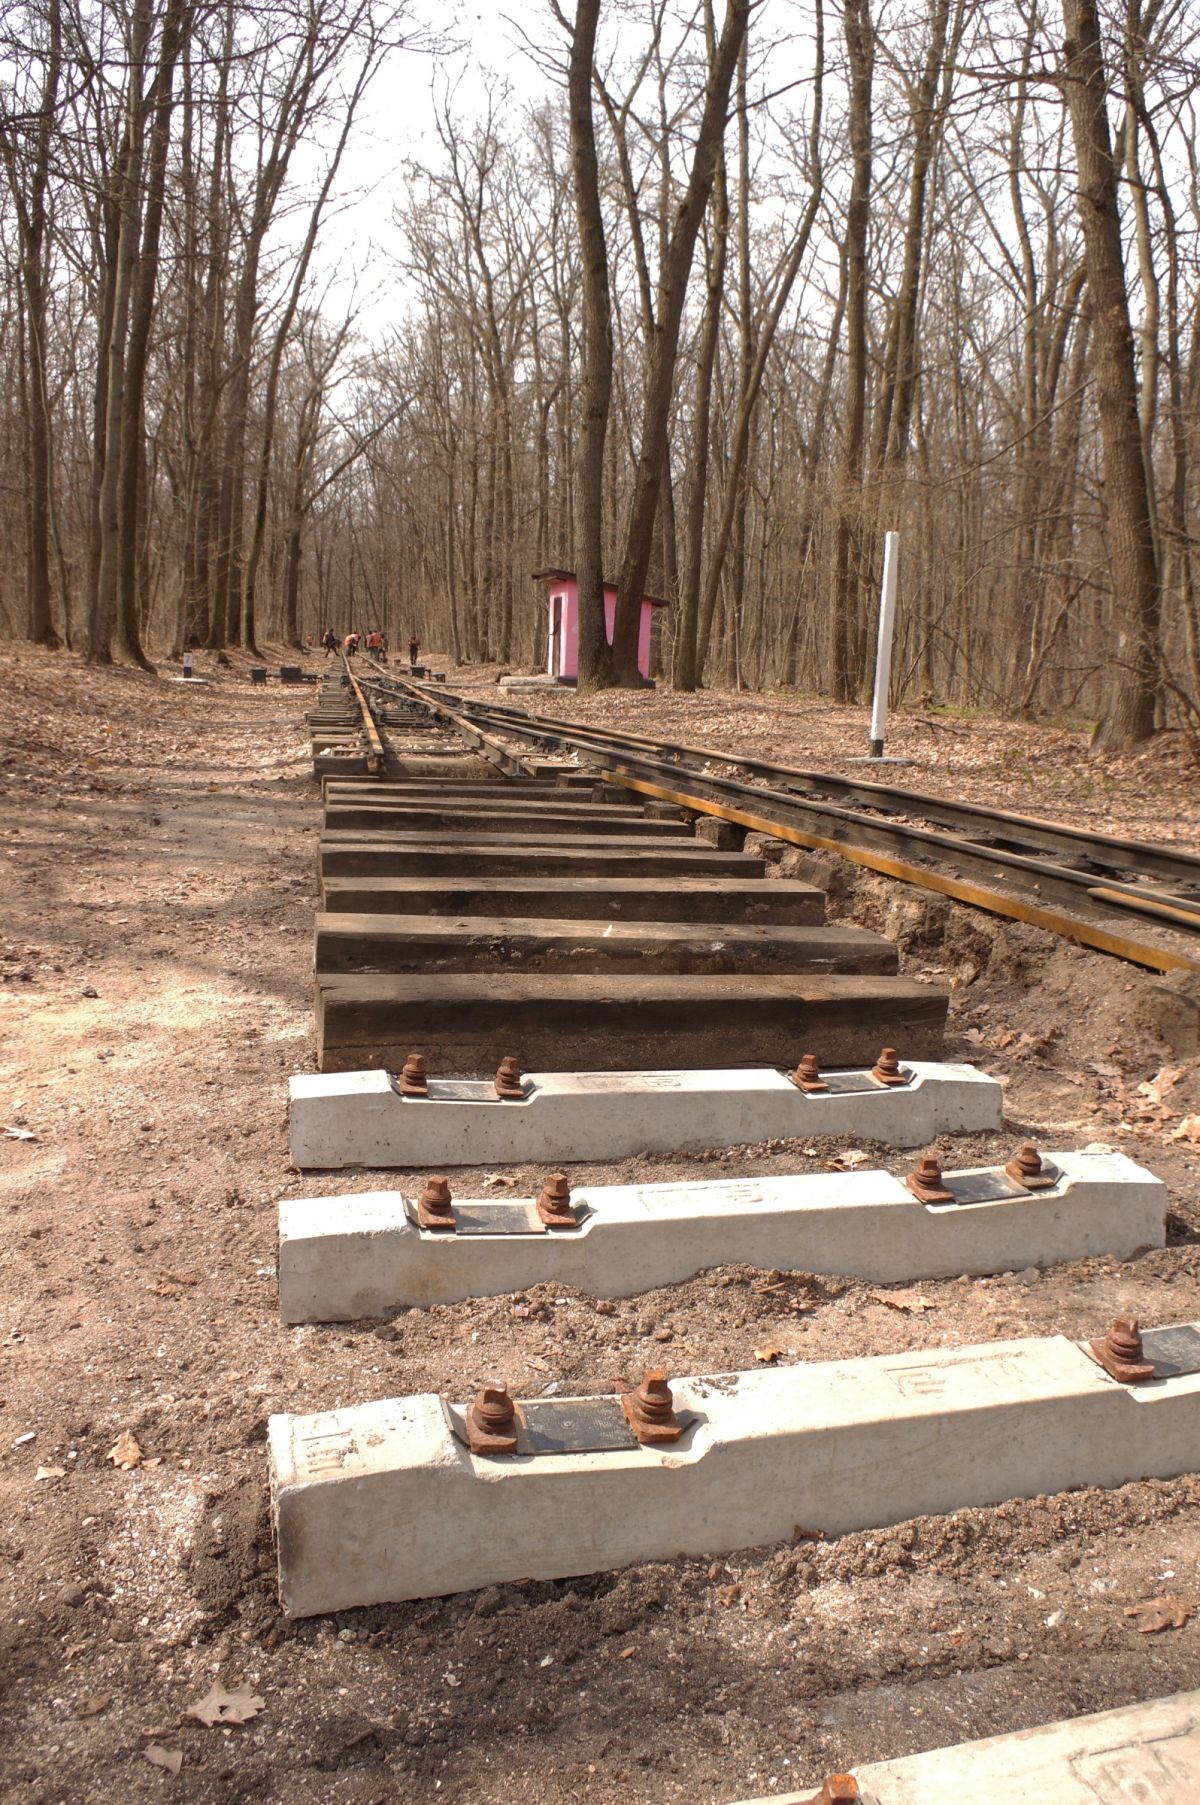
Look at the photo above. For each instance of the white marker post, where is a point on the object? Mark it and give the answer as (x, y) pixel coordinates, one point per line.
(883, 654)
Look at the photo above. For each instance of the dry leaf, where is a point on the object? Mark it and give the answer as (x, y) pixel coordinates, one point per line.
(498, 1178)
(1153, 1614)
(92, 1707)
(157, 1756)
(171, 1284)
(51, 1473)
(19, 1134)
(1163, 1081)
(768, 1355)
(846, 1162)
(625, 1654)
(221, 1707)
(125, 1452)
(896, 1300)
(1188, 1130)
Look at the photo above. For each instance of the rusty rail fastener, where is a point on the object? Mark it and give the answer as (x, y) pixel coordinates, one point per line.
(433, 1205)
(839, 1789)
(1121, 1353)
(926, 1182)
(886, 1070)
(492, 1420)
(508, 1081)
(412, 1080)
(807, 1075)
(650, 1410)
(554, 1204)
(1025, 1168)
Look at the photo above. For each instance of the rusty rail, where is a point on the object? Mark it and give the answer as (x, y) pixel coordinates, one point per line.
(868, 841)
(373, 746)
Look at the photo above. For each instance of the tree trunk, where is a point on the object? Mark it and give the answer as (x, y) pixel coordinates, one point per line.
(127, 642)
(844, 609)
(29, 202)
(687, 633)
(128, 192)
(663, 349)
(1128, 715)
(595, 657)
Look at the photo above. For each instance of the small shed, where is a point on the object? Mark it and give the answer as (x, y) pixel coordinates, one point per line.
(562, 623)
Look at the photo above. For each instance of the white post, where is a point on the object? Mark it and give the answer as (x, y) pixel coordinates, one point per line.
(883, 653)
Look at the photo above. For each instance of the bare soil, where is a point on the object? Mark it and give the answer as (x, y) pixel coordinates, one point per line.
(158, 879)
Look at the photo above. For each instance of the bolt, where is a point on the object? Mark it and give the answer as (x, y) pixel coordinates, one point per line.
(492, 1420)
(886, 1069)
(807, 1075)
(650, 1410)
(413, 1080)
(1121, 1352)
(1025, 1168)
(926, 1182)
(508, 1081)
(554, 1204)
(433, 1205)
(839, 1789)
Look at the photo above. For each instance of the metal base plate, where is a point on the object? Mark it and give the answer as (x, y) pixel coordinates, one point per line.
(458, 1090)
(1174, 1352)
(498, 1219)
(512, 1217)
(845, 1084)
(569, 1426)
(565, 1425)
(989, 1187)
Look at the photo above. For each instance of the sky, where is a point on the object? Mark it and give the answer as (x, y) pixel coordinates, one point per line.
(362, 242)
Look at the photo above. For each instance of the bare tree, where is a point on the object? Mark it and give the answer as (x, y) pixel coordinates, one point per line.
(1129, 703)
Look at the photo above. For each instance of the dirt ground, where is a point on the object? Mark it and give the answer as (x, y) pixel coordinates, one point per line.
(155, 988)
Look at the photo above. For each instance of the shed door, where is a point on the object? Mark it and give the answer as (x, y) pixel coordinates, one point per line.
(556, 611)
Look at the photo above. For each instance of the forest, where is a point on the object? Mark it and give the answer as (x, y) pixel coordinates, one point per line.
(707, 301)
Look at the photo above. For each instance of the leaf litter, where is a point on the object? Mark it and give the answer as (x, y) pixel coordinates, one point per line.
(219, 1706)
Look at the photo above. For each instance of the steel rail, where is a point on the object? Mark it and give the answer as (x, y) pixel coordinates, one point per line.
(861, 838)
(376, 752)
(1039, 869)
(1108, 851)
(494, 751)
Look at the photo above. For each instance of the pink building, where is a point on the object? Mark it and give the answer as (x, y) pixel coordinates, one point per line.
(562, 644)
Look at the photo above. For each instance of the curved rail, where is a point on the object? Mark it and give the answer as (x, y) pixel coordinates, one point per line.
(1096, 891)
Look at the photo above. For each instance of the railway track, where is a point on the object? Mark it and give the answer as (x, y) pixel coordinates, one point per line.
(530, 905)
(502, 906)
(1137, 900)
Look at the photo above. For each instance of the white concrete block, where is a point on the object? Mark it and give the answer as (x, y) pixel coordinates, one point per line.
(361, 1255)
(1148, 1754)
(357, 1119)
(384, 1502)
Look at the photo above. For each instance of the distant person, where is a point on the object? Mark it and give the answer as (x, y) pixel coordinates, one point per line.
(375, 640)
(329, 641)
(308, 642)
(414, 652)
(350, 644)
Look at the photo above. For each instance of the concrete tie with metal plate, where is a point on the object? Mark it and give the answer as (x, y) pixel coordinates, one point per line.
(369, 1253)
(1147, 1754)
(364, 1118)
(421, 1496)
